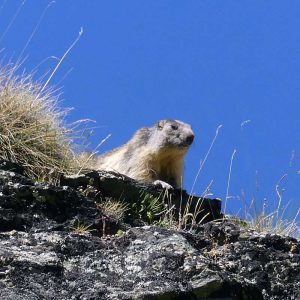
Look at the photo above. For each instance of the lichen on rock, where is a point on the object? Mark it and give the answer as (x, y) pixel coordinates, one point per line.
(43, 256)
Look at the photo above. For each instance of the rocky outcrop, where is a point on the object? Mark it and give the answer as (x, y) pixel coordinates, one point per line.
(105, 184)
(42, 256)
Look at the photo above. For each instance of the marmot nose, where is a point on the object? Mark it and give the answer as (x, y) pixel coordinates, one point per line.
(190, 139)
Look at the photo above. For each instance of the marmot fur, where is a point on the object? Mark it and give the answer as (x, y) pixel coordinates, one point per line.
(154, 154)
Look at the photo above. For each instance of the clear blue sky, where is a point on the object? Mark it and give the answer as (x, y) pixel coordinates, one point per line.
(203, 62)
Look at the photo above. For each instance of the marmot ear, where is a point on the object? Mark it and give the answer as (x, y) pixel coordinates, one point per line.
(160, 124)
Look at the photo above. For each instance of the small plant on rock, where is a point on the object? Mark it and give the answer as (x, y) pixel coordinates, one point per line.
(81, 228)
(113, 208)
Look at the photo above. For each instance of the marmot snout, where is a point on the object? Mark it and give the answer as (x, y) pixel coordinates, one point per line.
(174, 133)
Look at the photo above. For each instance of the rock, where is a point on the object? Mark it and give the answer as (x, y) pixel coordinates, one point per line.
(26, 206)
(11, 166)
(121, 187)
(146, 262)
(44, 256)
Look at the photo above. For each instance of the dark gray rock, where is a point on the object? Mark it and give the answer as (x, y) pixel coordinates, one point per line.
(121, 187)
(146, 263)
(26, 206)
(41, 257)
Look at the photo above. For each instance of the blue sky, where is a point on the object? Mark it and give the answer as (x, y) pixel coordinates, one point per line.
(203, 62)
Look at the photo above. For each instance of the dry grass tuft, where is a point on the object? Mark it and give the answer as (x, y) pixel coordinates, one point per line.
(113, 208)
(81, 228)
(274, 223)
(32, 128)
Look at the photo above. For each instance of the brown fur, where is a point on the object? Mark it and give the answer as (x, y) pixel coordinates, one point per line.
(153, 154)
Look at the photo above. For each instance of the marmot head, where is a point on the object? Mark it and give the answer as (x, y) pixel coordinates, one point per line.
(176, 134)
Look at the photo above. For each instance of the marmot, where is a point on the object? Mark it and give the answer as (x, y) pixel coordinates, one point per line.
(154, 154)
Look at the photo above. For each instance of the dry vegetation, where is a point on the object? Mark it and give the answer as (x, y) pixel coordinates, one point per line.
(273, 222)
(32, 128)
(113, 208)
(81, 228)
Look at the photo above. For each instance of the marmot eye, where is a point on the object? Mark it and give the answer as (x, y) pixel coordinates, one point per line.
(174, 127)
